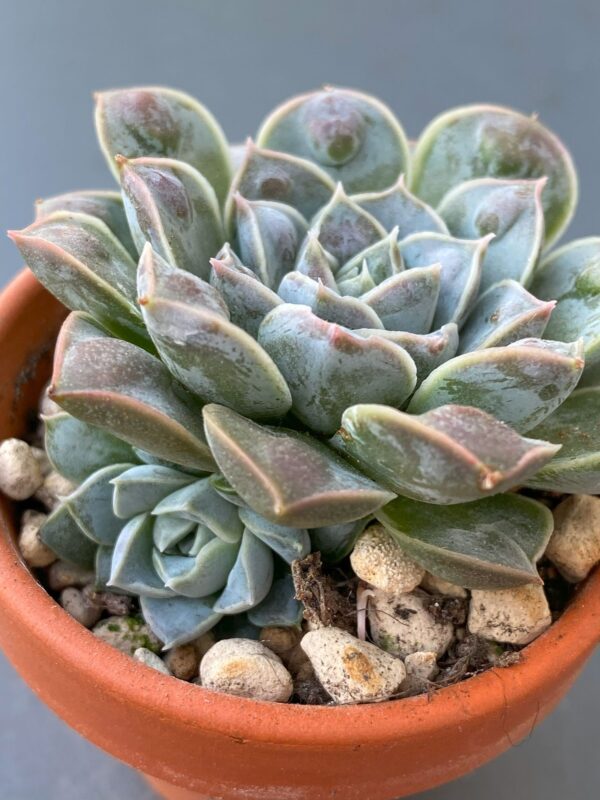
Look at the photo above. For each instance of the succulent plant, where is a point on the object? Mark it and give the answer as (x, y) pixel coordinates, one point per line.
(346, 328)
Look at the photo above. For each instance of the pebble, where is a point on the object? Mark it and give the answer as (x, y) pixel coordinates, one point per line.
(381, 562)
(183, 661)
(33, 549)
(150, 659)
(280, 640)
(62, 574)
(246, 668)
(421, 669)
(204, 643)
(574, 547)
(78, 606)
(53, 489)
(401, 624)
(42, 459)
(118, 605)
(352, 671)
(511, 616)
(434, 585)
(127, 634)
(20, 473)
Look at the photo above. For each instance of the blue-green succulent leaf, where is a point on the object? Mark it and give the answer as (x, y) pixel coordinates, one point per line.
(328, 368)
(177, 620)
(452, 454)
(315, 262)
(280, 607)
(289, 543)
(335, 542)
(61, 533)
(288, 477)
(132, 565)
(91, 505)
(250, 578)
(358, 284)
(492, 543)
(200, 575)
(140, 489)
(170, 530)
(383, 259)
(408, 300)
(519, 384)
(490, 141)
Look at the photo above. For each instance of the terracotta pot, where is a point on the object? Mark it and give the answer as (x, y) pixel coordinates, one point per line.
(197, 744)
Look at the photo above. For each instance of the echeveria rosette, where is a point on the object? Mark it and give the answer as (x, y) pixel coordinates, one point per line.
(342, 329)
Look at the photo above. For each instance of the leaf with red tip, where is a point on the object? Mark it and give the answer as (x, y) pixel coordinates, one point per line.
(288, 477)
(328, 368)
(126, 391)
(173, 207)
(452, 454)
(155, 121)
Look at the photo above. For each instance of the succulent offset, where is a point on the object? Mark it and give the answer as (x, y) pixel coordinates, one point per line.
(260, 362)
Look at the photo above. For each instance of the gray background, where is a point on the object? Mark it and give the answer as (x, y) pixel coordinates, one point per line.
(241, 57)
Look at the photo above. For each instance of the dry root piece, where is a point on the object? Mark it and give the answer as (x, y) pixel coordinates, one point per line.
(324, 604)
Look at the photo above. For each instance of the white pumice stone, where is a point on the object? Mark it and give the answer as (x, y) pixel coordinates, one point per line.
(20, 473)
(421, 669)
(511, 616)
(53, 489)
(127, 634)
(246, 668)
(40, 456)
(378, 560)
(434, 585)
(33, 550)
(150, 659)
(62, 574)
(78, 606)
(350, 670)
(203, 644)
(574, 547)
(401, 624)
(183, 661)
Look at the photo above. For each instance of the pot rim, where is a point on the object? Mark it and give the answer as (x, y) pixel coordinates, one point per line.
(556, 652)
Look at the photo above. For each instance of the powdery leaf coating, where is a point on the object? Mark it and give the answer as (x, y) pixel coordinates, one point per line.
(287, 477)
(408, 300)
(512, 616)
(156, 121)
(491, 141)
(380, 561)
(450, 454)
(246, 668)
(401, 624)
(574, 547)
(510, 210)
(350, 670)
(352, 136)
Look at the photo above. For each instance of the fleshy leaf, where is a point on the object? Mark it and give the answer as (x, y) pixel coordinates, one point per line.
(289, 543)
(169, 531)
(280, 607)
(106, 205)
(95, 448)
(248, 300)
(452, 454)
(126, 391)
(576, 468)
(490, 141)
(288, 477)
(571, 275)
(201, 503)
(428, 351)
(250, 578)
(139, 489)
(407, 301)
(511, 210)
(90, 505)
(205, 351)
(327, 304)
(328, 368)
(174, 208)
(132, 566)
(492, 543)
(519, 384)
(177, 620)
(396, 207)
(201, 575)
(82, 263)
(360, 283)
(335, 542)
(155, 121)
(269, 235)
(352, 136)
(505, 313)
(271, 175)
(315, 262)
(65, 538)
(344, 229)
(383, 259)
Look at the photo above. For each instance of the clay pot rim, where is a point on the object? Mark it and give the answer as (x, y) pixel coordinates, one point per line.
(557, 651)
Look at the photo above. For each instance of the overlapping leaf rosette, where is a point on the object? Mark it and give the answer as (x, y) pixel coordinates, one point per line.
(348, 328)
